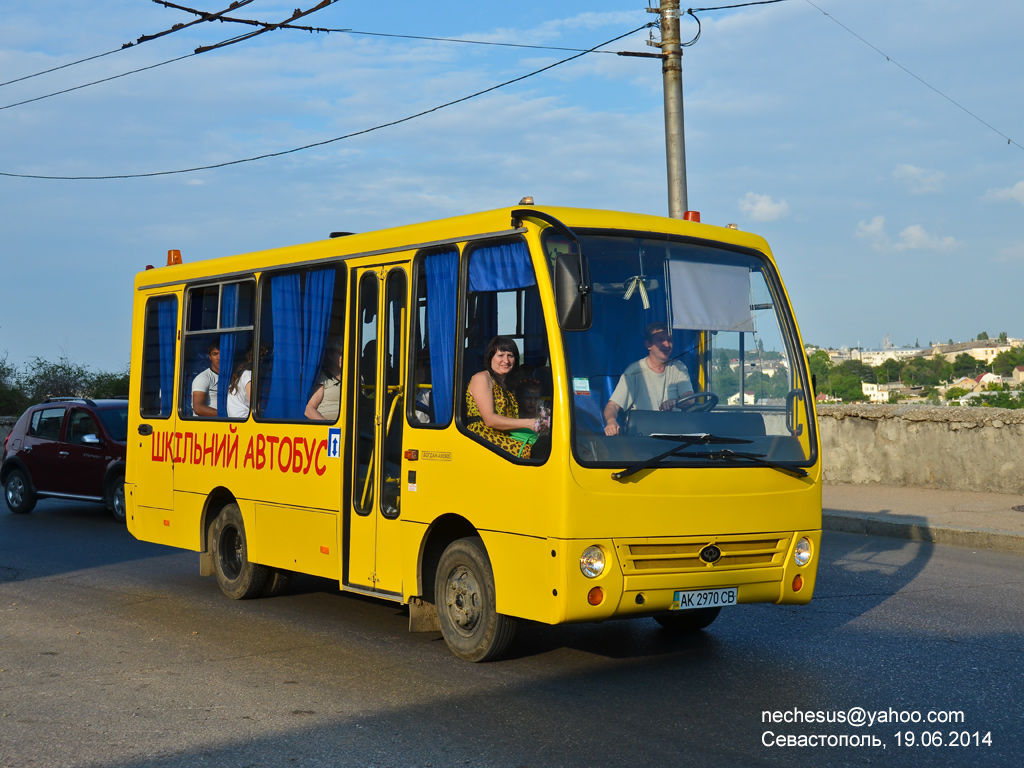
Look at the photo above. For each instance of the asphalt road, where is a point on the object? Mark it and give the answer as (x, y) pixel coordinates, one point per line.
(117, 653)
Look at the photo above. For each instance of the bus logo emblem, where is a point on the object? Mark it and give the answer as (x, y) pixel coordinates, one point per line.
(334, 442)
(710, 554)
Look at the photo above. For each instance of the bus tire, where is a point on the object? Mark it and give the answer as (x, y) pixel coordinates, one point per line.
(464, 595)
(238, 578)
(20, 498)
(278, 582)
(688, 621)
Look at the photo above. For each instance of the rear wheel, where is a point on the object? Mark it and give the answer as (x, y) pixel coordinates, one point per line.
(278, 582)
(464, 595)
(115, 498)
(20, 497)
(238, 578)
(688, 621)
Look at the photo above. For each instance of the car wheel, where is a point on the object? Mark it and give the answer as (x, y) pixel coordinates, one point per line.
(688, 621)
(464, 595)
(20, 497)
(115, 498)
(238, 578)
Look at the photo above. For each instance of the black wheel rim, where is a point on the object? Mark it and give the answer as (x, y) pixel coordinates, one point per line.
(231, 552)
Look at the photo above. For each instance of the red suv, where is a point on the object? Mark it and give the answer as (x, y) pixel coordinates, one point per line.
(68, 448)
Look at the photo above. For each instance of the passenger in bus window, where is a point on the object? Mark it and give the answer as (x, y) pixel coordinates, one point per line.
(654, 383)
(492, 411)
(240, 388)
(204, 385)
(325, 402)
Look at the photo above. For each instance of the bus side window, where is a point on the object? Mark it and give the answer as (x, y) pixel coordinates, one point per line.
(433, 363)
(502, 299)
(159, 349)
(218, 334)
(301, 313)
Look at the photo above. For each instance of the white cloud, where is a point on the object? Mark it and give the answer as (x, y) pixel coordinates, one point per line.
(919, 181)
(762, 207)
(1016, 192)
(913, 238)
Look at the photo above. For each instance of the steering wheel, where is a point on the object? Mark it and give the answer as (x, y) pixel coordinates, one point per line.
(711, 400)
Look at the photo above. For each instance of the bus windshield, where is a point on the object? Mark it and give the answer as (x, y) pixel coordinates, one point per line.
(687, 339)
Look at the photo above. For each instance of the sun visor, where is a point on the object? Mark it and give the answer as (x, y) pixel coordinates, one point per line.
(711, 297)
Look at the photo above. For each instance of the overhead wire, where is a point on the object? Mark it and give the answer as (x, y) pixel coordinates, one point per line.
(144, 39)
(336, 138)
(207, 17)
(928, 85)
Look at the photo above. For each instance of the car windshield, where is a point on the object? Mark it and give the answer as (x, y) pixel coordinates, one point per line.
(673, 318)
(115, 420)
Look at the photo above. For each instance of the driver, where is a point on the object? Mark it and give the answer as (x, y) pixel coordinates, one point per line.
(655, 383)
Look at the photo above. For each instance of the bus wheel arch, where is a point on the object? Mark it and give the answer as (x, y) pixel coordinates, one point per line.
(440, 534)
(467, 611)
(238, 577)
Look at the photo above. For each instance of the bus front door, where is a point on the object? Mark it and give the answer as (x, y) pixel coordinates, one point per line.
(377, 370)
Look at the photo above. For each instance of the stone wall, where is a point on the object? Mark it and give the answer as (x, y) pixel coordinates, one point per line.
(960, 448)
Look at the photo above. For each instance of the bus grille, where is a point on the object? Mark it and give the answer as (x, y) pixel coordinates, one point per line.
(683, 554)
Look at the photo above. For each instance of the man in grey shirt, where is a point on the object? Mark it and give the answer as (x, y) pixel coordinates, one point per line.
(652, 384)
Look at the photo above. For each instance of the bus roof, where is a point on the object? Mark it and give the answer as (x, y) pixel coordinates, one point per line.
(494, 223)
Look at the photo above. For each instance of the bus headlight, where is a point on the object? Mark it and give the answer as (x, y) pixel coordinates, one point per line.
(592, 562)
(802, 553)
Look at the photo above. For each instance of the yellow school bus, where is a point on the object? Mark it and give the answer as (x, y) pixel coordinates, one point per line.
(306, 410)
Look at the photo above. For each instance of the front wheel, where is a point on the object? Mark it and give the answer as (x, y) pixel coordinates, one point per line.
(688, 621)
(20, 497)
(464, 595)
(238, 578)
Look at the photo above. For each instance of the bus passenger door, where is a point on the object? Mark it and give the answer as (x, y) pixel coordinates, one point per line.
(377, 368)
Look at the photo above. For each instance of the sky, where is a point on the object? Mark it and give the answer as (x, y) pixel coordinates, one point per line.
(878, 146)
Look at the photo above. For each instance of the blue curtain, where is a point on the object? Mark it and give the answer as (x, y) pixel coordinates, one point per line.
(501, 268)
(300, 323)
(442, 273)
(228, 319)
(167, 324)
(316, 319)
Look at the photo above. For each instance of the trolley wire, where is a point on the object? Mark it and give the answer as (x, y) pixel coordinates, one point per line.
(928, 85)
(144, 39)
(336, 138)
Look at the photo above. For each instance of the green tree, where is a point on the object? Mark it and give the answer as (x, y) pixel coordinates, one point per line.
(107, 384)
(43, 379)
(955, 393)
(1002, 337)
(965, 365)
(1005, 362)
(12, 399)
(983, 336)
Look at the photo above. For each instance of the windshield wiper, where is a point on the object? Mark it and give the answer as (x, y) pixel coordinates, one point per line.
(756, 458)
(703, 438)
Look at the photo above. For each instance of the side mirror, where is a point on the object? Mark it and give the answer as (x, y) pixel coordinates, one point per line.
(91, 440)
(573, 296)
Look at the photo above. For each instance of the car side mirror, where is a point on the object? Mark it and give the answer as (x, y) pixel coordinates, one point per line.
(91, 440)
(573, 293)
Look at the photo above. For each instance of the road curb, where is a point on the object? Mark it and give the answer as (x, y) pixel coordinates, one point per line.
(974, 538)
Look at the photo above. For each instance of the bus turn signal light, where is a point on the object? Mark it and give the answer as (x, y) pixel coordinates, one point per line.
(798, 583)
(595, 596)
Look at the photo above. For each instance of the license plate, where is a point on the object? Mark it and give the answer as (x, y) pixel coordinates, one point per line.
(689, 599)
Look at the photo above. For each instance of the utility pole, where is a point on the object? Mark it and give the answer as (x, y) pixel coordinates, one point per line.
(672, 78)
